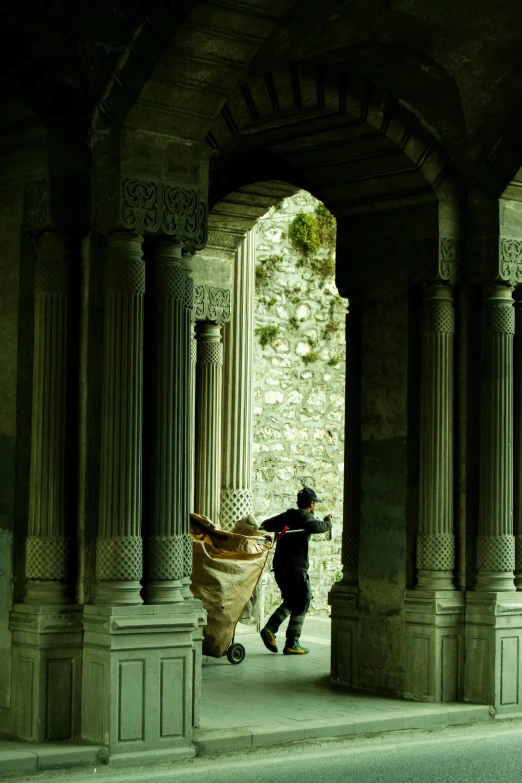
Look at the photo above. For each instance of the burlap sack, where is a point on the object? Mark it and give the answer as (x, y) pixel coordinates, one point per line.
(226, 567)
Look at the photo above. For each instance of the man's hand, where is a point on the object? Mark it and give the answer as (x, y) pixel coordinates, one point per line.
(328, 518)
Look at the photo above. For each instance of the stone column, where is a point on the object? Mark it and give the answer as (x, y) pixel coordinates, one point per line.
(352, 448)
(238, 400)
(47, 565)
(47, 628)
(119, 544)
(343, 597)
(517, 440)
(436, 541)
(192, 414)
(168, 455)
(208, 420)
(495, 541)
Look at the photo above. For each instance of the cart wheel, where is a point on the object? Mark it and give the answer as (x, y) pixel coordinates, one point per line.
(236, 653)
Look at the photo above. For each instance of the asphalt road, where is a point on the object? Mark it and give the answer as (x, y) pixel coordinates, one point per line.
(483, 753)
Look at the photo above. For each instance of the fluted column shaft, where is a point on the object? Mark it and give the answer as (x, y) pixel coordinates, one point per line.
(46, 566)
(192, 415)
(517, 440)
(238, 357)
(119, 544)
(208, 420)
(166, 537)
(495, 542)
(436, 540)
(352, 448)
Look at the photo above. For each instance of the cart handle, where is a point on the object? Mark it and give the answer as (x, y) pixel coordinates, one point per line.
(286, 530)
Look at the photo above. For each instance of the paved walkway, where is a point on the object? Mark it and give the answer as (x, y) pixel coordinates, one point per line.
(269, 699)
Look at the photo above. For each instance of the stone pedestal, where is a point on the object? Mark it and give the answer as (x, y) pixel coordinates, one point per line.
(344, 609)
(138, 697)
(47, 668)
(493, 670)
(434, 645)
(208, 420)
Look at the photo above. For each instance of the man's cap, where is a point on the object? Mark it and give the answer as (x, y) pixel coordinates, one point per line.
(307, 493)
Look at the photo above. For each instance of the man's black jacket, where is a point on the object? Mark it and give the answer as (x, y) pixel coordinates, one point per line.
(292, 550)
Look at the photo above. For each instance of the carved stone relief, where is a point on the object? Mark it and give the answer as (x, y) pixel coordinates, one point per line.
(211, 303)
(434, 261)
(150, 207)
(56, 203)
(496, 259)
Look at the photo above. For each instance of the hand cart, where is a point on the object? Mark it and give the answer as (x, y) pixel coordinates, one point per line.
(226, 568)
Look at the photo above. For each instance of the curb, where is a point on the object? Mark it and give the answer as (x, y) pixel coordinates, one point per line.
(222, 741)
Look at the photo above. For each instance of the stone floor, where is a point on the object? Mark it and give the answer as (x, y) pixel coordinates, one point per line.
(276, 698)
(267, 700)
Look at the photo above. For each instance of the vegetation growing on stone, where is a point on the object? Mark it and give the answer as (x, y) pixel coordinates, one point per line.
(311, 357)
(267, 335)
(265, 269)
(331, 328)
(333, 361)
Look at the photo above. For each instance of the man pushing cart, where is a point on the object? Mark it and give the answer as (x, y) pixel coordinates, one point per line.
(295, 527)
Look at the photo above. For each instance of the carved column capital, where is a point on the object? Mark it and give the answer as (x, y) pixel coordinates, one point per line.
(150, 206)
(212, 303)
(436, 260)
(496, 259)
(55, 203)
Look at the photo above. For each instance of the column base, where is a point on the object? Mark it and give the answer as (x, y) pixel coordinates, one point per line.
(495, 582)
(163, 592)
(494, 650)
(138, 676)
(343, 600)
(43, 592)
(113, 593)
(434, 645)
(435, 580)
(46, 674)
(186, 592)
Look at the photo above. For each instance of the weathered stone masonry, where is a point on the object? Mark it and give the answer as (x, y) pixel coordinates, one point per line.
(298, 404)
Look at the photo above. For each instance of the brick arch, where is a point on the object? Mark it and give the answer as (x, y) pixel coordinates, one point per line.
(354, 149)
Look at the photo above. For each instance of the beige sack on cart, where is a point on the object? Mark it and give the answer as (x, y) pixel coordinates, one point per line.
(226, 567)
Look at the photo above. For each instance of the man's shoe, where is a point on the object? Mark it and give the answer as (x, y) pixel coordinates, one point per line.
(295, 649)
(269, 639)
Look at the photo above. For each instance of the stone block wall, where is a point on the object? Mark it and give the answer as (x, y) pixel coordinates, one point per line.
(299, 377)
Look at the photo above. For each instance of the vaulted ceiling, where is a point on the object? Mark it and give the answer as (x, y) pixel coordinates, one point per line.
(314, 86)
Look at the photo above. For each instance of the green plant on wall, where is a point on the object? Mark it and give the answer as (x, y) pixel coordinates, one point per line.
(265, 268)
(333, 361)
(267, 335)
(304, 234)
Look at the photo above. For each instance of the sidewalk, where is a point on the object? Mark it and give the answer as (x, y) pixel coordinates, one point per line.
(266, 701)
(271, 699)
